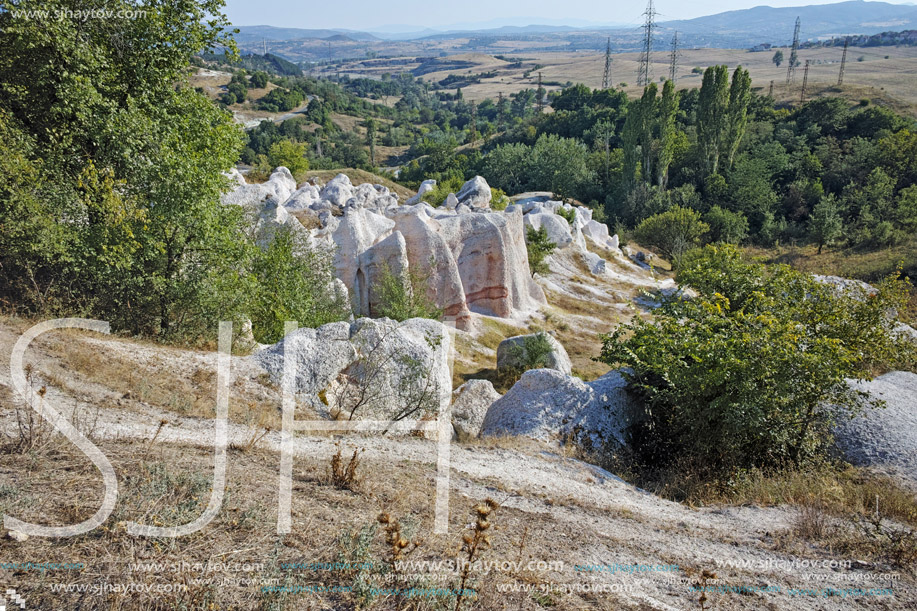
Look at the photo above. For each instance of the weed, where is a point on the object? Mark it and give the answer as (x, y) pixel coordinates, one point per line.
(474, 543)
(344, 476)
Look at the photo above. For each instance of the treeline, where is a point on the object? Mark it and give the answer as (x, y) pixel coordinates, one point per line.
(906, 38)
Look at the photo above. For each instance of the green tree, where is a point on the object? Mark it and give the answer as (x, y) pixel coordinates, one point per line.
(291, 155)
(673, 232)
(538, 246)
(737, 115)
(726, 226)
(559, 165)
(778, 58)
(712, 120)
(752, 372)
(825, 224)
(292, 281)
(668, 110)
(404, 296)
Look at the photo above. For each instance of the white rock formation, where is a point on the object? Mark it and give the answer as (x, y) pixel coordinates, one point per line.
(557, 227)
(475, 193)
(377, 368)
(547, 405)
(511, 354)
(884, 439)
(425, 187)
(470, 403)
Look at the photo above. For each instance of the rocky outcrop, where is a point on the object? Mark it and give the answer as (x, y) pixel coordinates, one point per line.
(512, 353)
(373, 368)
(390, 256)
(489, 250)
(475, 193)
(470, 403)
(884, 439)
(425, 187)
(548, 405)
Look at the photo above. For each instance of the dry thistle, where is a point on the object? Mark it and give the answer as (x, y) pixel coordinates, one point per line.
(345, 476)
(398, 548)
(475, 541)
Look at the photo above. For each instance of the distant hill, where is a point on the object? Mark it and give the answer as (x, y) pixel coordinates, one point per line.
(767, 24)
(253, 34)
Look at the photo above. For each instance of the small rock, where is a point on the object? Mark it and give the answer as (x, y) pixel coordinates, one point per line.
(15, 535)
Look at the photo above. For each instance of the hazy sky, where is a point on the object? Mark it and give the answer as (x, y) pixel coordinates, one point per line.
(363, 14)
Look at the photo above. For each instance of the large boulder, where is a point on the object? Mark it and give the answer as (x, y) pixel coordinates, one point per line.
(548, 405)
(470, 403)
(884, 439)
(512, 353)
(475, 193)
(338, 190)
(429, 255)
(373, 197)
(356, 231)
(304, 197)
(489, 250)
(598, 233)
(425, 187)
(557, 227)
(390, 256)
(373, 368)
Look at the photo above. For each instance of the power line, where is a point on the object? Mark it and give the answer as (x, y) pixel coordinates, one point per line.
(794, 55)
(840, 77)
(673, 68)
(606, 78)
(805, 81)
(643, 74)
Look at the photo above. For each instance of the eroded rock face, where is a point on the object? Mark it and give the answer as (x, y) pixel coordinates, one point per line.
(884, 439)
(489, 250)
(375, 368)
(548, 405)
(425, 187)
(470, 403)
(557, 227)
(390, 256)
(474, 259)
(511, 354)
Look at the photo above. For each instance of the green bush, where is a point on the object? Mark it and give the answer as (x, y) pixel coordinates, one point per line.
(539, 246)
(292, 281)
(752, 373)
(404, 296)
(673, 232)
(531, 352)
(568, 214)
(726, 226)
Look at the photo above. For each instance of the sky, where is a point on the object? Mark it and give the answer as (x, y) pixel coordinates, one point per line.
(439, 14)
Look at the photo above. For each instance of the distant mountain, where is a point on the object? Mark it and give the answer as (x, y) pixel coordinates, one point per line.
(253, 34)
(768, 24)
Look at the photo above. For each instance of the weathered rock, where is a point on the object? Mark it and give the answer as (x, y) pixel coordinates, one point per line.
(17, 536)
(489, 250)
(320, 355)
(595, 263)
(304, 197)
(388, 256)
(511, 354)
(475, 193)
(373, 197)
(557, 227)
(378, 367)
(547, 405)
(338, 190)
(884, 439)
(429, 255)
(451, 202)
(470, 403)
(598, 233)
(425, 187)
(355, 232)
(277, 189)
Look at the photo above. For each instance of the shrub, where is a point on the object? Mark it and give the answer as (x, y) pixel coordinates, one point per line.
(405, 296)
(539, 246)
(498, 199)
(673, 232)
(753, 371)
(726, 226)
(569, 214)
(531, 352)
